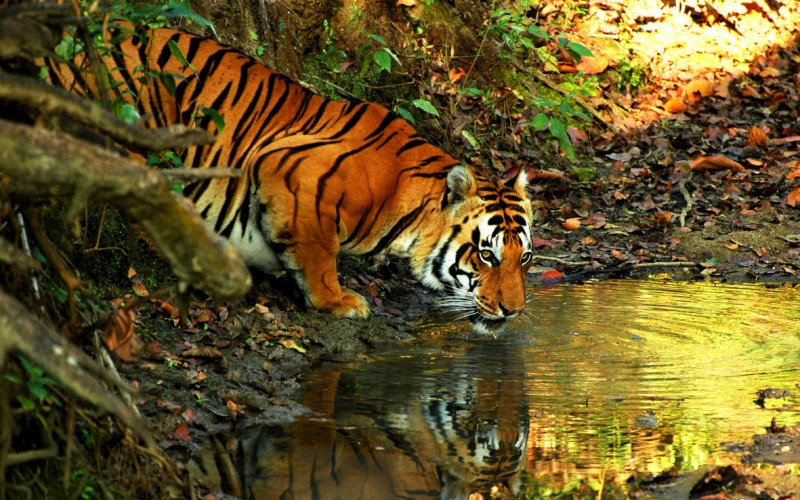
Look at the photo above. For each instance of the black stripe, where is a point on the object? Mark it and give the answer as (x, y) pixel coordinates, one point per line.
(397, 229)
(387, 120)
(194, 46)
(323, 179)
(351, 122)
(166, 53)
(439, 259)
(413, 143)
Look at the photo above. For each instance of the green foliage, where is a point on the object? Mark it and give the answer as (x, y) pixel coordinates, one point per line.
(34, 389)
(157, 15)
(524, 40)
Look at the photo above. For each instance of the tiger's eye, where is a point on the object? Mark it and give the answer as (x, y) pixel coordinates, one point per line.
(487, 255)
(526, 257)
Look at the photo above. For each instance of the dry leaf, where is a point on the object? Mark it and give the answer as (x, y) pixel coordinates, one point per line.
(119, 335)
(457, 74)
(675, 106)
(592, 65)
(757, 137)
(551, 275)
(698, 89)
(793, 173)
(793, 197)
(202, 352)
(715, 163)
(572, 224)
(406, 3)
(769, 72)
(233, 409)
(181, 432)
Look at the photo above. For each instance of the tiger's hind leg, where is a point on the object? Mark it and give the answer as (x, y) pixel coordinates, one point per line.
(313, 267)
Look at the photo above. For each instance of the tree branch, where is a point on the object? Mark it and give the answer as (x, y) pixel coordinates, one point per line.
(39, 163)
(49, 101)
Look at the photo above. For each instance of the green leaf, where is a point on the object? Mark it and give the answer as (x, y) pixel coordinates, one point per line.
(383, 60)
(538, 32)
(168, 80)
(26, 403)
(254, 36)
(177, 53)
(405, 114)
(425, 106)
(127, 112)
(470, 139)
(378, 38)
(579, 49)
(37, 390)
(12, 378)
(557, 128)
(540, 121)
(215, 116)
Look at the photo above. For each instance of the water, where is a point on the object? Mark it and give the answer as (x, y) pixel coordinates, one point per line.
(599, 382)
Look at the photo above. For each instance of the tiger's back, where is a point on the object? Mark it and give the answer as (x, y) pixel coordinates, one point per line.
(323, 176)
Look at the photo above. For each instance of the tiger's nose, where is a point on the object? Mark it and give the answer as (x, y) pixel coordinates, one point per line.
(509, 311)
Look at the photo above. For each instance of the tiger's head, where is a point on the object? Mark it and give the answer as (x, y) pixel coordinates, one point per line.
(482, 248)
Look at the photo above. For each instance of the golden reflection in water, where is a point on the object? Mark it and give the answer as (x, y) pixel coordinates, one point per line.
(692, 354)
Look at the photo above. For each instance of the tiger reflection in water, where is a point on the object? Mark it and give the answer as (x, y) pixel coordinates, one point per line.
(467, 440)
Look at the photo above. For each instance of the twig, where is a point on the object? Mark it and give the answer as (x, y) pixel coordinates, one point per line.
(646, 265)
(562, 261)
(687, 197)
(195, 174)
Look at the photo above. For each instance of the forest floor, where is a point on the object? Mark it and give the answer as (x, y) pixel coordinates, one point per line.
(694, 176)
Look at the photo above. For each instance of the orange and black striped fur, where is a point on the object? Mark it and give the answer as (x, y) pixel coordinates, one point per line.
(323, 176)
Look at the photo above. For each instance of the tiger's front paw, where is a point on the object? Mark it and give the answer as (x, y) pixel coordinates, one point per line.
(353, 305)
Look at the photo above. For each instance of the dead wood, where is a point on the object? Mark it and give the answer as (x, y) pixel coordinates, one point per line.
(38, 163)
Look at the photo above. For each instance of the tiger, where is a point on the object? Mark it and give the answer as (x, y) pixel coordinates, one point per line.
(460, 436)
(322, 177)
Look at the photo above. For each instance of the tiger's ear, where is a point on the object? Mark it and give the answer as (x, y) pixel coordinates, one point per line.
(519, 182)
(460, 184)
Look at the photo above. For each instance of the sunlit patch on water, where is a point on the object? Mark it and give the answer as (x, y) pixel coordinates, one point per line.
(601, 382)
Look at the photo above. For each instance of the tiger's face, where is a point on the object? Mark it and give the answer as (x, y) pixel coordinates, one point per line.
(483, 252)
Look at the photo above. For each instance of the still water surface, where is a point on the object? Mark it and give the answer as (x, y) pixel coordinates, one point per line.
(599, 382)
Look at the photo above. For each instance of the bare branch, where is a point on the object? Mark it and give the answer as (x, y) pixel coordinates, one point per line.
(49, 100)
(40, 163)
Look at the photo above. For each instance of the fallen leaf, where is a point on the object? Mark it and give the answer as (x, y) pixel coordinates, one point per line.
(539, 242)
(715, 163)
(793, 173)
(769, 72)
(551, 275)
(698, 89)
(181, 432)
(119, 336)
(757, 137)
(202, 352)
(793, 197)
(291, 344)
(406, 3)
(675, 106)
(233, 409)
(592, 65)
(456, 74)
(572, 224)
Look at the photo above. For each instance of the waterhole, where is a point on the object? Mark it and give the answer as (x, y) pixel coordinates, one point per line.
(597, 383)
